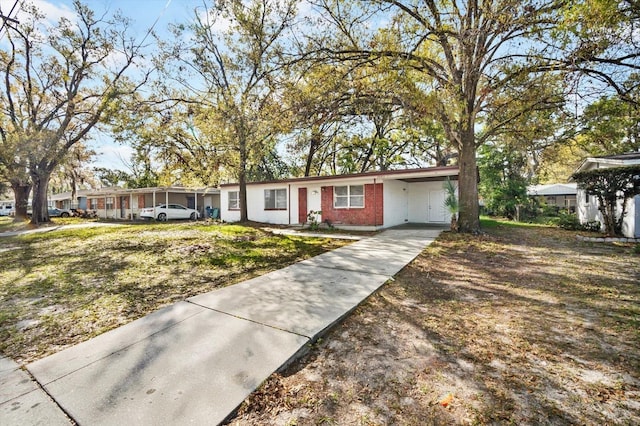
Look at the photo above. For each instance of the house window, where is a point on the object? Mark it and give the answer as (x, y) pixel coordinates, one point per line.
(348, 196)
(93, 204)
(275, 199)
(109, 202)
(234, 200)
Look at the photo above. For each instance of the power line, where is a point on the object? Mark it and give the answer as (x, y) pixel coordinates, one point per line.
(166, 6)
(8, 18)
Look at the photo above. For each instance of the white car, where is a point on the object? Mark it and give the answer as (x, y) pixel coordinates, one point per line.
(164, 212)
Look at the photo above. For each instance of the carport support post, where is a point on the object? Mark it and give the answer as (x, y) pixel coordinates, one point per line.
(375, 205)
(131, 205)
(166, 198)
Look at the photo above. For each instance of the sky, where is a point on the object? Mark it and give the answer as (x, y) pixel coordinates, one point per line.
(144, 14)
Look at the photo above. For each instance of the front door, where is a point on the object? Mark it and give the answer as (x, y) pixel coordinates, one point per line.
(123, 207)
(437, 210)
(302, 205)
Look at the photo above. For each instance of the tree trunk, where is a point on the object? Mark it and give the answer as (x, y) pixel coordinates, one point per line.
(21, 193)
(40, 208)
(313, 147)
(454, 223)
(469, 215)
(607, 209)
(74, 190)
(242, 178)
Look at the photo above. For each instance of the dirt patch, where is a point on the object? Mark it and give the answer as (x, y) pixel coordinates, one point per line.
(522, 325)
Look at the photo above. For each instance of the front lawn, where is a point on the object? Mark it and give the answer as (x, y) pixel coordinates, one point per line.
(60, 287)
(521, 325)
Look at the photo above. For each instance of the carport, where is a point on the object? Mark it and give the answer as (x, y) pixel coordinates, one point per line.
(120, 203)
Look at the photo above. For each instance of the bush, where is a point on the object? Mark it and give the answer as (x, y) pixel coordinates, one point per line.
(571, 222)
(593, 226)
(549, 210)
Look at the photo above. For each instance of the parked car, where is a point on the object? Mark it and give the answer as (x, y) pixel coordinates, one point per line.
(169, 211)
(54, 212)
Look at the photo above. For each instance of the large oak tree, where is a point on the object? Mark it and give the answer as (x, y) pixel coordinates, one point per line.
(467, 53)
(57, 83)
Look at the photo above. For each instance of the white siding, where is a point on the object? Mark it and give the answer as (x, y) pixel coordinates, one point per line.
(226, 214)
(255, 205)
(631, 220)
(636, 215)
(426, 202)
(256, 209)
(587, 211)
(396, 202)
(419, 202)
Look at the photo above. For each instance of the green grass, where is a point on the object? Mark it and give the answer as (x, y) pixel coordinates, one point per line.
(7, 224)
(63, 286)
(487, 222)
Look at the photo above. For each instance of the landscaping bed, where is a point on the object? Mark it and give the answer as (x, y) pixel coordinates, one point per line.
(64, 286)
(519, 325)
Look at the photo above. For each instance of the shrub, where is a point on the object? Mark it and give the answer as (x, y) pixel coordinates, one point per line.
(571, 222)
(593, 226)
(312, 219)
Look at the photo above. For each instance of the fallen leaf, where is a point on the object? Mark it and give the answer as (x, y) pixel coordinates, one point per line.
(448, 398)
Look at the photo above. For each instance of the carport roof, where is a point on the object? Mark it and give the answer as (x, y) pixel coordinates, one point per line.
(102, 192)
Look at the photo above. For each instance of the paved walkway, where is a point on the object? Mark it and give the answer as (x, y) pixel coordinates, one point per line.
(197, 360)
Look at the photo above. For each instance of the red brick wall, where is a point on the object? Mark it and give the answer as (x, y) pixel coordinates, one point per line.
(101, 203)
(370, 215)
(141, 201)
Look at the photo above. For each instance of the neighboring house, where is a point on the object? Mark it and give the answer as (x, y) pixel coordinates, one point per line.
(562, 195)
(63, 200)
(587, 206)
(370, 200)
(121, 203)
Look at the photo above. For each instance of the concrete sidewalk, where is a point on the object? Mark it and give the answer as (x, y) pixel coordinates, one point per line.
(197, 360)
